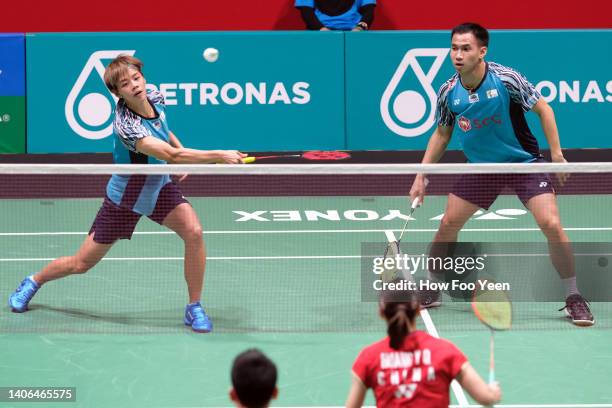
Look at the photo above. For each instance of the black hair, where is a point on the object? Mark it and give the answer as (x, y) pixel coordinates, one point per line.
(481, 33)
(253, 378)
(400, 308)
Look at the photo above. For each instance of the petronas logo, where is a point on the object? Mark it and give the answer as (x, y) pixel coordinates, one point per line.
(89, 105)
(411, 112)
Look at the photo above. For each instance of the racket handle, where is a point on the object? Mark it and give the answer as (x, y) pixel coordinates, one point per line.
(492, 358)
(416, 202)
(249, 159)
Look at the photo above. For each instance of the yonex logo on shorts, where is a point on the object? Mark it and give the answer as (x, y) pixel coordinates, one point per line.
(408, 114)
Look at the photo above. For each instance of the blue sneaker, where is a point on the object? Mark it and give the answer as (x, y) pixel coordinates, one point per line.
(23, 294)
(196, 317)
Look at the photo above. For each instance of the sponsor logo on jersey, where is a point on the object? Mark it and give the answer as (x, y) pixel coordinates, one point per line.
(480, 123)
(464, 124)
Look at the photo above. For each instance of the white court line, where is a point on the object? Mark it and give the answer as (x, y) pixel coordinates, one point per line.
(247, 258)
(210, 258)
(314, 231)
(497, 405)
(546, 255)
(546, 406)
(431, 329)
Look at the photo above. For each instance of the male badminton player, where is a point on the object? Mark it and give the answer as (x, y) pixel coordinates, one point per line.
(410, 368)
(141, 135)
(488, 101)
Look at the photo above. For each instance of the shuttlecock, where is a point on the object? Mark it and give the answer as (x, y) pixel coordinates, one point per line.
(211, 54)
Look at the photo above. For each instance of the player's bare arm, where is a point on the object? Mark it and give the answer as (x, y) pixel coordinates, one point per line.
(357, 393)
(483, 393)
(438, 142)
(549, 126)
(174, 140)
(164, 151)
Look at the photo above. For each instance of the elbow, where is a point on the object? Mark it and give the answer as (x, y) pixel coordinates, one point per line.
(175, 156)
(488, 398)
(487, 402)
(547, 111)
(544, 110)
(444, 139)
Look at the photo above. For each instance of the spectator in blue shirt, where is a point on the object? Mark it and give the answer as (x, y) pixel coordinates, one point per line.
(323, 15)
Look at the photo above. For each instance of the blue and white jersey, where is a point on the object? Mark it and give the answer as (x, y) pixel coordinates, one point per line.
(137, 192)
(345, 21)
(491, 117)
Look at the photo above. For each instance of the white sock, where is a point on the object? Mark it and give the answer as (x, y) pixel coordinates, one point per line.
(570, 286)
(31, 277)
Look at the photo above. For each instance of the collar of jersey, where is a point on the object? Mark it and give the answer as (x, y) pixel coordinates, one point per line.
(142, 117)
(484, 77)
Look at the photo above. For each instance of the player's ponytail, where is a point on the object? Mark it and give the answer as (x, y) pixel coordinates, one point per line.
(399, 309)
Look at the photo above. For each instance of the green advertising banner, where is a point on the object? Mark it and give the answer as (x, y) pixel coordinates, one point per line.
(392, 79)
(266, 91)
(304, 91)
(12, 124)
(12, 93)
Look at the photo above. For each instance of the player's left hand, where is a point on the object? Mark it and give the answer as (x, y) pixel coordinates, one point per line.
(562, 177)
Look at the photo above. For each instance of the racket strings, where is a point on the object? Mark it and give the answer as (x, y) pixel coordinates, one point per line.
(493, 308)
(390, 269)
(316, 155)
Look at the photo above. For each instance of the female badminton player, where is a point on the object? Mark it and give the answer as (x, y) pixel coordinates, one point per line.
(141, 136)
(410, 368)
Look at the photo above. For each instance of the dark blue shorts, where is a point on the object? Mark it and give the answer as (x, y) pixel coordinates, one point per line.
(114, 222)
(483, 189)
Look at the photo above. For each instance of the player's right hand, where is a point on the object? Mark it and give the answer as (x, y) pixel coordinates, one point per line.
(231, 156)
(495, 391)
(562, 177)
(418, 188)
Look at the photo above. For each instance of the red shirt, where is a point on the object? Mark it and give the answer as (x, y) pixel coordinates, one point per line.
(418, 375)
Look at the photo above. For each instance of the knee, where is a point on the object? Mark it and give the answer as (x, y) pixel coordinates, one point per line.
(551, 225)
(450, 224)
(192, 234)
